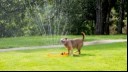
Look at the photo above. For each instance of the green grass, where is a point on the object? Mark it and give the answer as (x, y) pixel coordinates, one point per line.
(93, 58)
(48, 40)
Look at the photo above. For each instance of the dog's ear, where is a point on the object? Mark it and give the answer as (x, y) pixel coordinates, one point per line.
(66, 38)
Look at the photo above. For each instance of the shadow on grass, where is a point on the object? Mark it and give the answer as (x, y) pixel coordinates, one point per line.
(81, 55)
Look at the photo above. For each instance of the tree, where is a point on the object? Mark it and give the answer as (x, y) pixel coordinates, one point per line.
(99, 18)
(81, 15)
(103, 8)
(108, 4)
(121, 17)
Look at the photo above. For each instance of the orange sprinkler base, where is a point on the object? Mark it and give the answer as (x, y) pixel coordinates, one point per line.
(63, 54)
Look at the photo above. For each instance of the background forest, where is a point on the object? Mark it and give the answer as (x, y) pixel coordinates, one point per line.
(62, 17)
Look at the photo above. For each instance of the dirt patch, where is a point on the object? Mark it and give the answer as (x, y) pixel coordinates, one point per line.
(56, 46)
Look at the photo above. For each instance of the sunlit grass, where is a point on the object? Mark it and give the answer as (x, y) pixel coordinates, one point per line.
(93, 58)
(48, 40)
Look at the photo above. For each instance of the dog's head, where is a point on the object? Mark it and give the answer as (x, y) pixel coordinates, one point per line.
(64, 40)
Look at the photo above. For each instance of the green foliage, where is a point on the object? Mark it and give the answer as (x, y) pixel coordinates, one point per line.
(82, 15)
(47, 17)
(40, 17)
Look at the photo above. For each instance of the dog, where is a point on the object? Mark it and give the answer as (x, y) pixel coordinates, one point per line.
(70, 44)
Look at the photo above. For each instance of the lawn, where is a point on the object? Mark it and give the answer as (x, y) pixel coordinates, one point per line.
(48, 40)
(105, 57)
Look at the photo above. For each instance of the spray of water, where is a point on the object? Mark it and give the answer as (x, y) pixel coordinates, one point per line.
(50, 20)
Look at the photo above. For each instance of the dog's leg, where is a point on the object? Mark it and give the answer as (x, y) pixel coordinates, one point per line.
(70, 51)
(79, 51)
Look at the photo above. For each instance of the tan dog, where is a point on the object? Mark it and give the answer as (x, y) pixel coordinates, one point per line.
(70, 44)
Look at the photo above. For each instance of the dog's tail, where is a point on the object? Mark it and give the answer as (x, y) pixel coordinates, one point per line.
(83, 35)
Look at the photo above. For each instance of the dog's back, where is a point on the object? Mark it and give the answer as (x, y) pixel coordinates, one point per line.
(76, 43)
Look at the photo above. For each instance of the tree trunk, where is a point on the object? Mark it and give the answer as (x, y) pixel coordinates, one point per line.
(106, 27)
(107, 6)
(121, 17)
(99, 18)
(103, 8)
